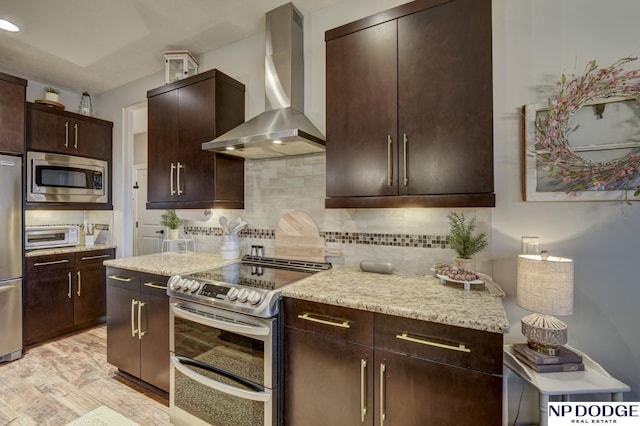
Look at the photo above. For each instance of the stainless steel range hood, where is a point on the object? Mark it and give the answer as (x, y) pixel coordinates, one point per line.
(283, 128)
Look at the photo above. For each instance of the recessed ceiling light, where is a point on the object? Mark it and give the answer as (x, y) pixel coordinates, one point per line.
(277, 141)
(230, 148)
(8, 26)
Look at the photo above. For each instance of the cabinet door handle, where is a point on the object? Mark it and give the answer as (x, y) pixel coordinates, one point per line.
(389, 160)
(69, 292)
(134, 330)
(140, 332)
(460, 348)
(54, 262)
(338, 323)
(180, 191)
(406, 175)
(75, 130)
(66, 134)
(173, 167)
(119, 278)
(363, 389)
(159, 286)
(383, 368)
(102, 256)
(79, 283)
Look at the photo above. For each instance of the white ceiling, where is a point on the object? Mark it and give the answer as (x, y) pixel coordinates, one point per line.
(97, 45)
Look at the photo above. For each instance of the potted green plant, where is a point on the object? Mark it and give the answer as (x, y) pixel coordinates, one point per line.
(51, 94)
(171, 220)
(462, 240)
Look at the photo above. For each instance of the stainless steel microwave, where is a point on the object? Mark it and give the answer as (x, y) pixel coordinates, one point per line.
(63, 178)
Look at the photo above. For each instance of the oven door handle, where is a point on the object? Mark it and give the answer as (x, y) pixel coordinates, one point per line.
(249, 330)
(178, 363)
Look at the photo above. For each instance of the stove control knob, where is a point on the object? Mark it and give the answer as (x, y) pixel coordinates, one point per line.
(174, 283)
(254, 298)
(194, 286)
(184, 284)
(233, 294)
(242, 296)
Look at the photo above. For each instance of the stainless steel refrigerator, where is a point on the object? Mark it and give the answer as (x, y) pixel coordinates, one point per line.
(11, 258)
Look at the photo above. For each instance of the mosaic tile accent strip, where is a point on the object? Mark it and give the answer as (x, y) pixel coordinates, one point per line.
(396, 240)
(365, 238)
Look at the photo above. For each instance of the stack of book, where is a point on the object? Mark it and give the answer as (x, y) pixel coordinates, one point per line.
(565, 360)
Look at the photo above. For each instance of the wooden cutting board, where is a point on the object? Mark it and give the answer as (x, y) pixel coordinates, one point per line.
(298, 238)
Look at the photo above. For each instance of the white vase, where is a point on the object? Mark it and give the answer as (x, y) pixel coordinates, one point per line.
(174, 234)
(465, 263)
(230, 248)
(54, 97)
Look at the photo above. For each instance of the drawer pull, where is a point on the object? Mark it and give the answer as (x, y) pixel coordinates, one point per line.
(120, 278)
(306, 316)
(155, 285)
(461, 347)
(102, 256)
(54, 262)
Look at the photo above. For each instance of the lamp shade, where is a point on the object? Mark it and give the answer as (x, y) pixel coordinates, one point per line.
(545, 284)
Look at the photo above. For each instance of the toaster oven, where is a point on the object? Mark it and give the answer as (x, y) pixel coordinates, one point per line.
(39, 237)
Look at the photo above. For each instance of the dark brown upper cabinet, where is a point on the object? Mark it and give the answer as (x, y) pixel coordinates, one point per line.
(64, 132)
(410, 108)
(12, 114)
(183, 115)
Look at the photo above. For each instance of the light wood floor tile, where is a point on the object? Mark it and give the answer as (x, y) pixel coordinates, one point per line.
(57, 382)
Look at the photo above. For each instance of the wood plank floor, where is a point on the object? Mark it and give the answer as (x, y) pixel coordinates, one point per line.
(57, 382)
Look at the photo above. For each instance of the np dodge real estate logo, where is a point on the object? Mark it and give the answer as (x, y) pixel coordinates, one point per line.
(594, 413)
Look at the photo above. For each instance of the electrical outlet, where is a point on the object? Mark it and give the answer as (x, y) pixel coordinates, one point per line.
(530, 245)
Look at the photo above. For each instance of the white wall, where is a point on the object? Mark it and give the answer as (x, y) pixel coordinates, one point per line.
(534, 41)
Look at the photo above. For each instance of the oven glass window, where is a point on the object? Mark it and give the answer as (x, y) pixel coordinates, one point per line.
(234, 353)
(45, 237)
(215, 407)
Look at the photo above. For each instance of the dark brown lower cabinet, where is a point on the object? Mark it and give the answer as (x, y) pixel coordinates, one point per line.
(345, 366)
(326, 379)
(64, 293)
(416, 391)
(138, 326)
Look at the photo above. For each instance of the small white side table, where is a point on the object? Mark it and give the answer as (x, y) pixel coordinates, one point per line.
(594, 379)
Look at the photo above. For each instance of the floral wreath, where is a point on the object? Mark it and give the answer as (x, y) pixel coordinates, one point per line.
(552, 130)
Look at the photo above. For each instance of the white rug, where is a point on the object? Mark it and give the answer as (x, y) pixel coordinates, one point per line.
(102, 416)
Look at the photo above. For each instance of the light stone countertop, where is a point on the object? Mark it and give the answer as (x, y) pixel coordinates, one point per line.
(169, 263)
(418, 297)
(62, 250)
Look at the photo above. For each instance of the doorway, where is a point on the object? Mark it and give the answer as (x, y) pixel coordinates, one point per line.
(148, 234)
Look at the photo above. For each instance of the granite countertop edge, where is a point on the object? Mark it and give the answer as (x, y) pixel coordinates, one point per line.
(169, 263)
(421, 298)
(62, 250)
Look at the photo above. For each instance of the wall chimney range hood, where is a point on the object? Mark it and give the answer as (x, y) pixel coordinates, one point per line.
(283, 129)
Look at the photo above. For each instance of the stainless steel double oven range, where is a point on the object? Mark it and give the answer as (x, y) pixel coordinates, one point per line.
(226, 342)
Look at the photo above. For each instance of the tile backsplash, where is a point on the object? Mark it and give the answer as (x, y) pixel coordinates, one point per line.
(413, 238)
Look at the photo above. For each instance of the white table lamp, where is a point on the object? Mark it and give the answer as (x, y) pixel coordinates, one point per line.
(545, 287)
